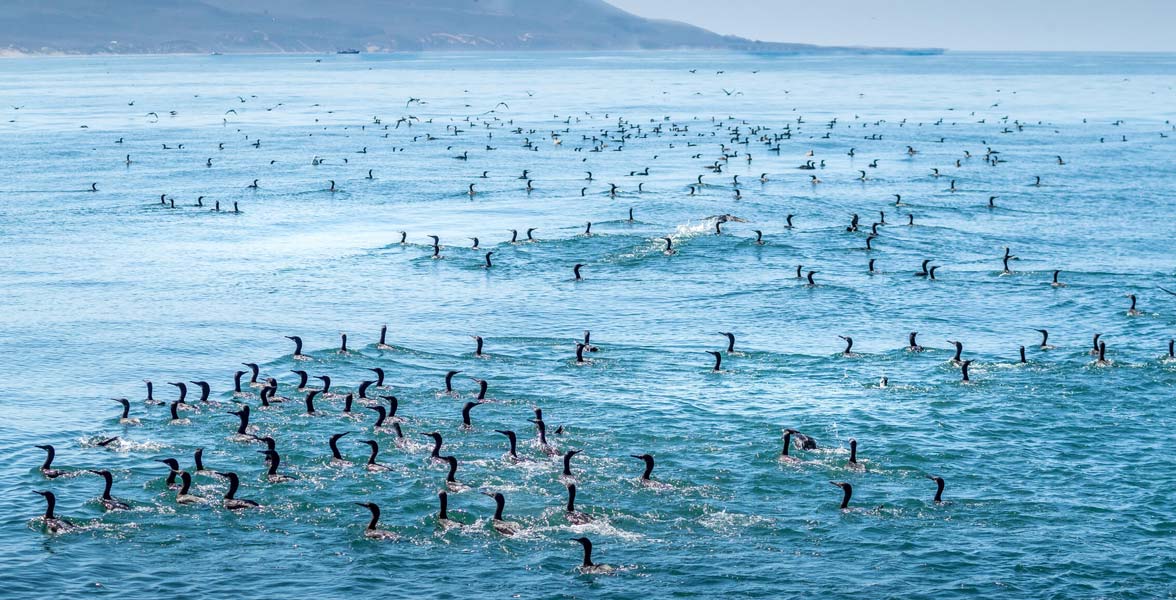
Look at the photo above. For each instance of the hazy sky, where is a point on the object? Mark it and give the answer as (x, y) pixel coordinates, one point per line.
(1138, 25)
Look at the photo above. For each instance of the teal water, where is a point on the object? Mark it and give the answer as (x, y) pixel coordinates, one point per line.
(1057, 472)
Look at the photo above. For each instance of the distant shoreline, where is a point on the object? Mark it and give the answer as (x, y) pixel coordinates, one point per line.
(840, 51)
(8, 53)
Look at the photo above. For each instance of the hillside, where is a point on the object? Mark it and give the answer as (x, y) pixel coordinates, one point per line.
(231, 26)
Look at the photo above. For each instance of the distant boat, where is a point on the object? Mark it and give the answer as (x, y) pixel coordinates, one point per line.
(217, 54)
(348, 51)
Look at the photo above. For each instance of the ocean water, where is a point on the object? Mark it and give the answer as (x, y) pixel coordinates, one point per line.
(1058, 479)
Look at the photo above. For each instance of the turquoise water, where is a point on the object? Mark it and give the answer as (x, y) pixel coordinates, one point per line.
(1057, 473)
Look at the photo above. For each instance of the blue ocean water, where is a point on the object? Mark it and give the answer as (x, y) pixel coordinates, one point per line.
(1057, 473)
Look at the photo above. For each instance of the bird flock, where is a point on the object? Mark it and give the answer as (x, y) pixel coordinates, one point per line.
(383, 427)
(368, 425)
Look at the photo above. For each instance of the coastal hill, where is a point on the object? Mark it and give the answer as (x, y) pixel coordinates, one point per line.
(279, 26)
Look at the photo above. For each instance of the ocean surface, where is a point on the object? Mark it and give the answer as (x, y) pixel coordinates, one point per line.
(1058, 471)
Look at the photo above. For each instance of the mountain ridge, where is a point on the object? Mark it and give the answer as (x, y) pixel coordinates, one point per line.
(310, 26)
